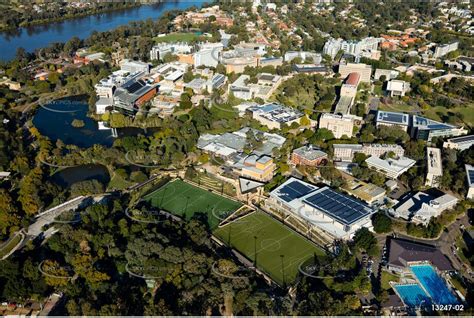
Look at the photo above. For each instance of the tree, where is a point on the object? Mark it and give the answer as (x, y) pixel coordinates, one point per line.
(364, 239)
(382, 223)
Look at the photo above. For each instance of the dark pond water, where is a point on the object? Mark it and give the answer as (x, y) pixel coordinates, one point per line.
(39, 36)
(54, 121)
(69, 176)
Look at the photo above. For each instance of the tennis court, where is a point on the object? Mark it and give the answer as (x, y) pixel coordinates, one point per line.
(185, 200)
(278, 249)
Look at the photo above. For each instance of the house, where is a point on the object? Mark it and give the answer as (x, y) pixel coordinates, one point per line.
(470, 181)
(421, 207)
(402, 253)
(390, 167)
(336, 215)
(434, 167)
(308, 156)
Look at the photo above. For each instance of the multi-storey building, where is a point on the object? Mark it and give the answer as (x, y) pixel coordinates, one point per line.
(346, 152)
(339, 125)
(308, 156)
(364, 71)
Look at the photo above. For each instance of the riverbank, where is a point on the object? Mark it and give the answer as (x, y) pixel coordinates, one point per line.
(71, 16)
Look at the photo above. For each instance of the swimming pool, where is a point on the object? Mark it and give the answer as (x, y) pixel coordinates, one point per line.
(412, 295)
(434, 285)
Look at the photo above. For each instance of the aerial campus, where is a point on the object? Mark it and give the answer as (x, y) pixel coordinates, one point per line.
(306, 158)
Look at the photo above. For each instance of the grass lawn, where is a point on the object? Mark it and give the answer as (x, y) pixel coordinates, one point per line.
(185, 200)
(177, 37)
(386, 277)
(273, 239)
(5, 249)
(396, 107)
(466, 110)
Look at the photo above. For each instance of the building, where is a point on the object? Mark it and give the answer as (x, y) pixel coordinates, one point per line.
(237, 64)
(334, 214)
(159, 51)
(254, 167)
(402, 253)
(270, 61)
(470, 181)
(164, 105)
(339, 125)
(198, 85)
(392, 119)
(228, 145)
(364, 71)
(208, 54)
(216, 82)
(135, 66)
(355, 48)
(310, 68)
(274, 115)
(459, 143)
(346, 152)
(367, 192)
(316, 58)
(133, 94)
(426, 129)
(391, 168)
(347, 94)
(421, 207)
(389, 74)
(240, 89)
(444, 49)
(308, 156)
(434, 166)
(332, 47)
(398, 88)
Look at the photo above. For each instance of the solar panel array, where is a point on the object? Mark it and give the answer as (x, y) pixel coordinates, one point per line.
(462, 138)
(294, 190)
(393, 117)
(338, 206)
(135, 86)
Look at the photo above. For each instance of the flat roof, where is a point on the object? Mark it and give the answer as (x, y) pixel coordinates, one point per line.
(293, 189)
(345, 209)
(392, 118)
(434, 161)
(462, 139)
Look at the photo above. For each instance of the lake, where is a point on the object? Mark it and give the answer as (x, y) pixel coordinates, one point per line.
(54, 121)
(39, 36)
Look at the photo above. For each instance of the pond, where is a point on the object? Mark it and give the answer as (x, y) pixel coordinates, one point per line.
(54, 120)
(68, 176)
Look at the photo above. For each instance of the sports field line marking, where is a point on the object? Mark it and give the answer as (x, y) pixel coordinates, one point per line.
(159, 189)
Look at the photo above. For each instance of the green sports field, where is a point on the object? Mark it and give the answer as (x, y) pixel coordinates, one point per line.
(185, 200)
(273, 239)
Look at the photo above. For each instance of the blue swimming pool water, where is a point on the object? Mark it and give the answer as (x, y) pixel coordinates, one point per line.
(434, 285)
(412, 295)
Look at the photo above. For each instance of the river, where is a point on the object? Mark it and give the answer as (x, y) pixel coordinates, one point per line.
(39, 36)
